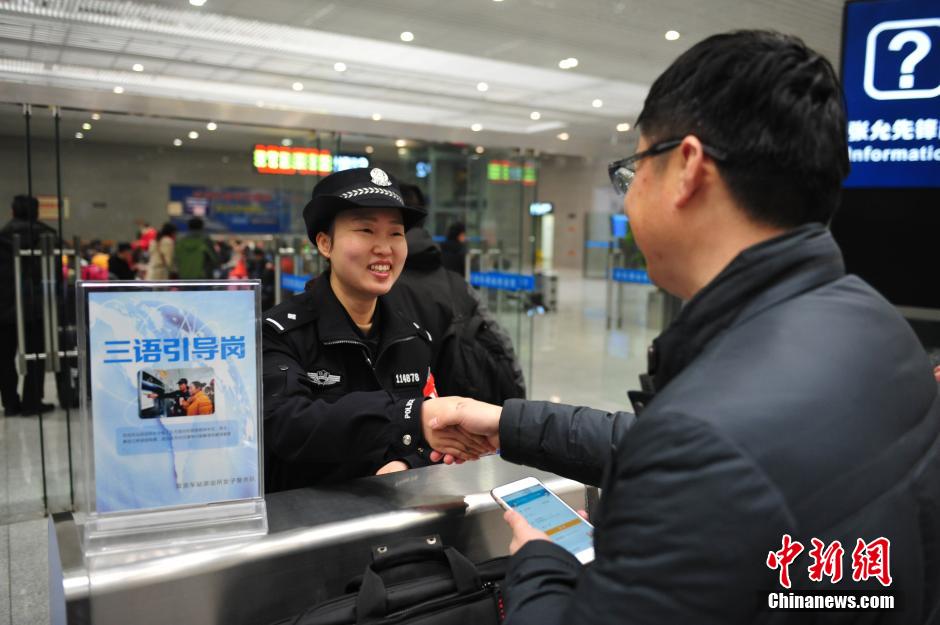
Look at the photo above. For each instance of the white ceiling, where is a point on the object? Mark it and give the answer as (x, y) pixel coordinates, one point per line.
(238, 59)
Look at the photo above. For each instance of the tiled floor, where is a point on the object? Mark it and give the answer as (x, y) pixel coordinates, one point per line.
(575, 360)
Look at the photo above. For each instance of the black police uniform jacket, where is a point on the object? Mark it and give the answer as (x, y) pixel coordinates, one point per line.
(787, 398)
(332, 410)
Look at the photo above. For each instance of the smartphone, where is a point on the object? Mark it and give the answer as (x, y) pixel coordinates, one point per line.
(545, 511)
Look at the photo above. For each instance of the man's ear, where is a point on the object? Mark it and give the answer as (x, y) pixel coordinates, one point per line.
(692, 160)
(324, 244)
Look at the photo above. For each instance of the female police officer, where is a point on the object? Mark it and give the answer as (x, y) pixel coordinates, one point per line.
(346, 365)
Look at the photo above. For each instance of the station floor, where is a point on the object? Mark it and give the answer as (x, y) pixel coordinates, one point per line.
(575, 360)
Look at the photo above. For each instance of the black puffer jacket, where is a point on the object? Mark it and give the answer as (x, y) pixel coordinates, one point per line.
(332, 410)
(788, 398)
(29, 233)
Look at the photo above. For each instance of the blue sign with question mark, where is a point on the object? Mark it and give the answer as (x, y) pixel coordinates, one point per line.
(891, 78)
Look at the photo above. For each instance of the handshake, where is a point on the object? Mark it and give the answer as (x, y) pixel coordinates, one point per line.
(460, 429)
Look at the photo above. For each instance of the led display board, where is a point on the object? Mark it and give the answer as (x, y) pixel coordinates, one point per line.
(507, 171)
(276, 159)
(891, 79)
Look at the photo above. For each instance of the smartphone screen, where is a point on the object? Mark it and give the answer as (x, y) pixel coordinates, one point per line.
(545, 511)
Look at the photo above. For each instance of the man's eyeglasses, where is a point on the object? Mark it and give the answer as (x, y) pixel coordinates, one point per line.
(623, 172)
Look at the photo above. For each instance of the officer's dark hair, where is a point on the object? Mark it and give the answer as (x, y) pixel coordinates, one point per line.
(182, 381)
(196, 223)
(25, 207)
(774, 106)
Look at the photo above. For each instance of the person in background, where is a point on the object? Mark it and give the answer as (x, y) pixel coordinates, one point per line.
(145, 237)
(26, 224)
(160, 264)
(196, 258)
(454, 249)
(260, 268)
(198, 403)
(121, 264)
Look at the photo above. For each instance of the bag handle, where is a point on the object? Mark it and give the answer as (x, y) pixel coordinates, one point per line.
(372, 600)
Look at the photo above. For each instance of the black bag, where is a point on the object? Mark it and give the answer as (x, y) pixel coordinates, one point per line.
(418, 582)
(474, 360)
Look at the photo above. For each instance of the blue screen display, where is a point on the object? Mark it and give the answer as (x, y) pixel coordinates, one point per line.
(891, 79)
(546, 512)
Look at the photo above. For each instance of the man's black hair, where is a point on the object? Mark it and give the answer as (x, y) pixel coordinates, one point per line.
(25, 207)
(196, 223)
(774, 106)
(182, 381)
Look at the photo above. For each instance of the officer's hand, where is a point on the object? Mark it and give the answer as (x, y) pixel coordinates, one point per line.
(452, 441)
(522, 532)
(470, 416)
(393, 467)
(936, 372)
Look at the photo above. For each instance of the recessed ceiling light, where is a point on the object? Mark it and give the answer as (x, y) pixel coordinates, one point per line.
(86, 126)
(623, 127)
(476, 127)
(369, 149)
(177, 142)
(479, 149)
(297, 86)
(568, 63)
(79, 135)
(535, 116)
(211, 126)
(597, 103)
(402, 151)
(400, 143)
(672, 35)
(407, 36)
(340, 67)
(197, 3)
(138, 67)
(482, 86)
(193, 134)
(95, 117)
(564, 136)
(119, 90)
(376, 117)
(287, 142)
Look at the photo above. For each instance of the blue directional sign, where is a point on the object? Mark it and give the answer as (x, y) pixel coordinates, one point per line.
(502, 281)
(294, 284)
(635, 276)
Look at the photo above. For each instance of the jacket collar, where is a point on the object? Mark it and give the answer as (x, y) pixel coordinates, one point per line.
(333, 322)
(759, 277)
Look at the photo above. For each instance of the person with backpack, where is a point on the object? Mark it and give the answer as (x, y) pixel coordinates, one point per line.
(196, 258)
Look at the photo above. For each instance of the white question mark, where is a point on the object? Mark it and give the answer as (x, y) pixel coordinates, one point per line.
(921, 49)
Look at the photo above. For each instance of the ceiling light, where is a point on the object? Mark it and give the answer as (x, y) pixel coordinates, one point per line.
(119, 90)
(86, 126)
(369, 149)
(138, 67)
(400, 143)
(197, 3)
(287, 142)
(623, 127)
(376, 117)
(177, 142)
(568, 63)
(193, 134)
(211, 126)
(79, 135)
(95, 117)
(402, 151)
(479, 149)
(340, 67)
(407, 36)
(297, 86)
(476, 127)
(535, 116)
(564, 136)
(597, 103)
(482, 86)
(672, 35)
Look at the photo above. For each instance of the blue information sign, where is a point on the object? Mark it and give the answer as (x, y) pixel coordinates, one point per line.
(891, 78)
(635, 276)
(502, 281)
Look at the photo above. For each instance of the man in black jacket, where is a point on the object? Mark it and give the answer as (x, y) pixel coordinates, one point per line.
(788, 432)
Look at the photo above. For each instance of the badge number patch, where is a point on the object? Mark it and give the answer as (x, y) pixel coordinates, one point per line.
(323, 378)
(402, 380)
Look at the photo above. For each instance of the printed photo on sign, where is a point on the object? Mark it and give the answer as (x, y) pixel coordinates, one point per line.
(176, 392)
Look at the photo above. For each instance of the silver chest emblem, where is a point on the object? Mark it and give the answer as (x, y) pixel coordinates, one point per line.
(380, 178)
(323, 378)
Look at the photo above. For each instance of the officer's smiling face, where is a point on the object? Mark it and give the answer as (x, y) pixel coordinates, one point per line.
(367, 251)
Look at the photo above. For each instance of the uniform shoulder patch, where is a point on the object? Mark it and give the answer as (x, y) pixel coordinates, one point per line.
(290, 314)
